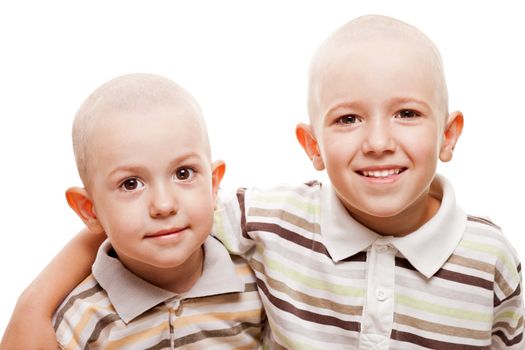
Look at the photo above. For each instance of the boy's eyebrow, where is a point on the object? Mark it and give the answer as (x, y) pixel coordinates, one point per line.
(133, 168)
(392, 101)
(401, 100)
(341, 105)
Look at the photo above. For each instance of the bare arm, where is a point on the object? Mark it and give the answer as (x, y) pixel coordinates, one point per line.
(30, 326)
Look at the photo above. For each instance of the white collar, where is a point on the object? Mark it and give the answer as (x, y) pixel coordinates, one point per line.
(427, 248)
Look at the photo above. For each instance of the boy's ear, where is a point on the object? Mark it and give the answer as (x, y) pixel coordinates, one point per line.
(218, 168)
(453, 129)
(304, 135)
(80, 201)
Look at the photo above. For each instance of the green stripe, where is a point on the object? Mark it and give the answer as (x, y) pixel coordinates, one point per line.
(490, 249)
(313, 282)
(292, 344)
(219, 232)
(442, 310)
(512, 315)
(305, 206)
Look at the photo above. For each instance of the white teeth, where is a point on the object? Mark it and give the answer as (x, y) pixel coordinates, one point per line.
(381, 173)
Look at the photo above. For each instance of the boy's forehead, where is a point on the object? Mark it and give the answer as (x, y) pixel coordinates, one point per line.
(180, 111)
(372, 38)
(177, 117)
(133, 92)
(178, 129)
(365, 30)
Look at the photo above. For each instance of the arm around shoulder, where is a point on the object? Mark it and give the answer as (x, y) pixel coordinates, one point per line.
(229, 224)
(35, 307)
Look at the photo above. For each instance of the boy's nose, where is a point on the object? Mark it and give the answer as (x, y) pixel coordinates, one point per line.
(163, 202)
(378, 137)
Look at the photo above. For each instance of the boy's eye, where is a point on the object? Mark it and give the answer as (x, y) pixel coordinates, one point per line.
(184, 174)
(131, 184)
(407, 114)
(348, 119)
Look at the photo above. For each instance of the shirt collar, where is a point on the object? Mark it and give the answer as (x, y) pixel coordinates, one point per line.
(218, 274)
(131, 296)
(444, 231)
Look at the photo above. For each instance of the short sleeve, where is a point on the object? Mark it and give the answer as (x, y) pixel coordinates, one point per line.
(508, 326)
(230, 223)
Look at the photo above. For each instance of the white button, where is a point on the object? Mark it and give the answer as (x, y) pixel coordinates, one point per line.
(382, 248)
(380, 294)
(174, 302)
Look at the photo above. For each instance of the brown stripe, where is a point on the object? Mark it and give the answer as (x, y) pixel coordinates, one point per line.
(503, 285)
(215, 333)
(482, 221)
(465, 279)
(250, 287)
(432, 343)
(286, 216)
(312, 183)
(451, 275)
(471, 263)
(240, 198)
(99, 327)
(71, 301)
(163, 344)
(404, 263)
(361, 257)
(290, 236)
(507, 341)
(308, 315)
(305, 298)
(516, 292)
(507, 327)
(440, 328)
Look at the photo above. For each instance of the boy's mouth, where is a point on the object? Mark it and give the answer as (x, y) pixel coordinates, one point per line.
(165, 233)
(382, 173)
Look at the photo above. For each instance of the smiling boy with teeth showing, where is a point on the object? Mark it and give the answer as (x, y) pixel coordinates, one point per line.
(382, 257)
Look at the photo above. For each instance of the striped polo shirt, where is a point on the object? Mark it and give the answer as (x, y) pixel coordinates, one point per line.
(115, 309)
(328, 282)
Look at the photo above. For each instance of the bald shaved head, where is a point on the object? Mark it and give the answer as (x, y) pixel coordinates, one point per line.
(381, 30)
(132, 93)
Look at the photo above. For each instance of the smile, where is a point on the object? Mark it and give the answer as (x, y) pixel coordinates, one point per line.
(166, 233)
(381, 174)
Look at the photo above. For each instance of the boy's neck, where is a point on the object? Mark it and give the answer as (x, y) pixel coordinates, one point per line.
(179, 279)
(403, 224)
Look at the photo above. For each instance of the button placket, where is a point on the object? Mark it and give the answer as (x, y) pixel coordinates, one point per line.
(379, 306)
(173, 309)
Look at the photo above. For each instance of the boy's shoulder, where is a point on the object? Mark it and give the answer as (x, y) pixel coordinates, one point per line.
(88, 299)
(89, 291)
(279, 193)
(303, 200)
(483, 220)
(483, 241)
(88, 315)
(300, 188)
(251, 200)
(483, 231)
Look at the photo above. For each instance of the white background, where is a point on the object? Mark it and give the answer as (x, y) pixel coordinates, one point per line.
(246, 63)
